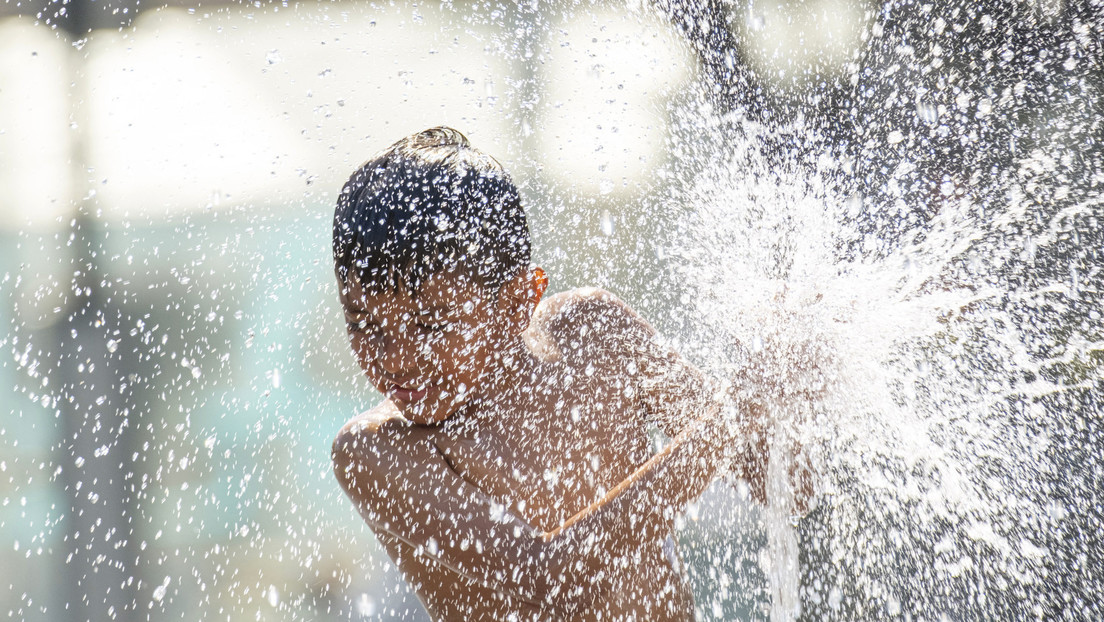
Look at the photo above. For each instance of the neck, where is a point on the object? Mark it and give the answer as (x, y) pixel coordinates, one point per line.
(514, 361)
(514, 367)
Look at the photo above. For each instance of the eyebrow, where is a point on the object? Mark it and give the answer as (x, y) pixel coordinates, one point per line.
(441, 308)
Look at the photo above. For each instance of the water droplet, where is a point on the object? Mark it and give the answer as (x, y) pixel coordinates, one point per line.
(160, 590)
(273, 596)
(927, 112)
(984, 107)
(366, 605)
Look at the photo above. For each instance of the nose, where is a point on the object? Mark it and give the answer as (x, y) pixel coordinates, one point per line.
(392, 356)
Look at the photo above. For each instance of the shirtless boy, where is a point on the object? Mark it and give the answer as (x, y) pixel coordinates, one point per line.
(509, 473)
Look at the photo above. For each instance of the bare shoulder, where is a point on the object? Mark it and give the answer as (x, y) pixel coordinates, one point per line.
(381, 425)
(588, 316)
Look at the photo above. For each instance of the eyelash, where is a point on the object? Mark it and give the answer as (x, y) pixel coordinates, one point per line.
(359, 326)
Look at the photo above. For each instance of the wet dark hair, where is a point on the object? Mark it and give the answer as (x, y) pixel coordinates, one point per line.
(429, 202)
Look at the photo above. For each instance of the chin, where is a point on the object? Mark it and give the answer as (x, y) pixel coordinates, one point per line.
(426, 414)
(432, 419)
(434, 408)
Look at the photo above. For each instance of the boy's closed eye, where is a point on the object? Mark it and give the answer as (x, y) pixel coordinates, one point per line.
(433, 320)
(360, 326)
(428, 322)
(358, 322)
(430, 326)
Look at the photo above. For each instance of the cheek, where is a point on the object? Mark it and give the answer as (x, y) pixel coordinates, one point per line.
(460, 353)
(470, 344)
(361, 348)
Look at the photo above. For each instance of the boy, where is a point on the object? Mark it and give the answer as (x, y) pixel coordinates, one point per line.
(508, 471)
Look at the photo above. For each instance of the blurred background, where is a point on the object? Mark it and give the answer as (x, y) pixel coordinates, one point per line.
(173, 365)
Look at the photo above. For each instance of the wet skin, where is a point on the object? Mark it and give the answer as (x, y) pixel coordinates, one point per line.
(509, 470)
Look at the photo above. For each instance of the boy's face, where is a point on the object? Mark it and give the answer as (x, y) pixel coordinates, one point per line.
(431, 353)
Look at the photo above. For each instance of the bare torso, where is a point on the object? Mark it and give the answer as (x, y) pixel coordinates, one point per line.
(544, 453)
(533, 482)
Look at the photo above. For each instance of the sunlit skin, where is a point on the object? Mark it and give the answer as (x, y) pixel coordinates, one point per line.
(509, 469)
(434, 353)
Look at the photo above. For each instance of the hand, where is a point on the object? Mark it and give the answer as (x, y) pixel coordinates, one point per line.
(757, 448)
(775, 394)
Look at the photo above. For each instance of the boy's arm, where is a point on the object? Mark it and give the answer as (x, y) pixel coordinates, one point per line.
(670, 392)
(644, 505)
(404, 487)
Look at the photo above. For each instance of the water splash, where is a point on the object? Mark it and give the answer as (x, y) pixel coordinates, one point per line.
(919, 377)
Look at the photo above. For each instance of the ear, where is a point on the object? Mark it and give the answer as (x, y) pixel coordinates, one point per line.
(521, 295)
